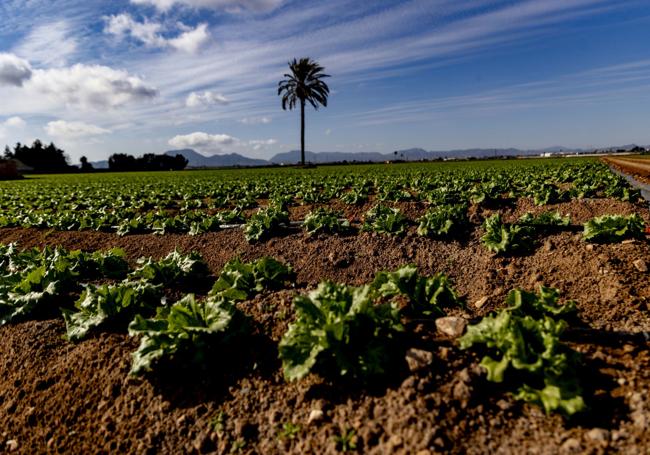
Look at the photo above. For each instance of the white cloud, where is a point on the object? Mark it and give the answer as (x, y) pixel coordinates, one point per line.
(256, 120)
(94, 86)
(151, 33)
(231, 6)
(202, 141)
(260, 144)
(49, 44)
(162, 5)
(191, 40)
(14, 70)
(218, 143)
(206, 98)
(146, 32)
(73, 130)
(14, 122)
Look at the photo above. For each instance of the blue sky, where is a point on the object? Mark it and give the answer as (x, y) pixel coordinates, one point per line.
(137, 76)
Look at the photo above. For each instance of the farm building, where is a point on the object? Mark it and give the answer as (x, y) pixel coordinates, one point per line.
(13, 169)
(8, 170)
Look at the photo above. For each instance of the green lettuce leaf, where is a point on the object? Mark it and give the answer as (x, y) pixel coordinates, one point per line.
(340, 331)
(614, 228)
(110, 304)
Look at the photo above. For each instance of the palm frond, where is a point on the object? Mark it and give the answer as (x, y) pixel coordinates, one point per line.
(304, 84)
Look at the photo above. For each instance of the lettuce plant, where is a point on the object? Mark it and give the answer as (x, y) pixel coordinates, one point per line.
(188, 331)
(240, 281)
(427, 295)
(393, 193)
(265, 223)
(504, 238)
(339, 330)
(12, 259)
(110, 304)
(486, 193)
(213, 223)
(174, 269)
(547, 193)
(443, 221)
(522, 348)
(614, 228)
(324, 220)
(544, 219)
(354, 197)
(32, 280)
(544, 303)
(385, 220)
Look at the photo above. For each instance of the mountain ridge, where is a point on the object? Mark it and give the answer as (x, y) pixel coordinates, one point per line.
(198, 160)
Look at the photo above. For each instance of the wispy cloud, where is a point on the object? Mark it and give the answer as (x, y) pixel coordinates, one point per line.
(598, 87)
(65, 130)
(50, 44)
(256, 120)
(372, 44)
(232, 6)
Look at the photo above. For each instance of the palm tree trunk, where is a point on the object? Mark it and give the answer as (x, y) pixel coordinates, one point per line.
(302, 132)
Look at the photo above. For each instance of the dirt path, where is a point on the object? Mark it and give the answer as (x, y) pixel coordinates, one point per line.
(638, 167)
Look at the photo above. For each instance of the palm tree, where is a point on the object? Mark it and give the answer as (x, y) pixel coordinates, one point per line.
(304, 83)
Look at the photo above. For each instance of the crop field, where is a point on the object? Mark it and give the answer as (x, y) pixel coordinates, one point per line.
(467, 307)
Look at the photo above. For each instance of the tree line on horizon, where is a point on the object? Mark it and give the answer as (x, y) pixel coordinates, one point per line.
(50, 158)
(122, 162)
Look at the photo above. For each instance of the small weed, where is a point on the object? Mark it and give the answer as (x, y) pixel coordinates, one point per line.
(218, 422)
(289, 431)
(346, 441)
(238, 446)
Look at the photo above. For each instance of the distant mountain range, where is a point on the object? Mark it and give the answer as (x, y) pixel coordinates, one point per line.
(198, 160)
(103, 164)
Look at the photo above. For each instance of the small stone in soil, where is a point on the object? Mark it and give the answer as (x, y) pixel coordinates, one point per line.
(571, 445)
(316, 415)
(480, 302)
(639, 420)
(640, 265)
(598, 434)
(418, 359)
(451, 326)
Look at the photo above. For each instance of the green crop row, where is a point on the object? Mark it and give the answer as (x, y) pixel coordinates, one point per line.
(201, 201)
(356, 332)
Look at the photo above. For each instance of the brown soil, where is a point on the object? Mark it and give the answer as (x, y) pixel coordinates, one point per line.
(78, 398)
(637, 167)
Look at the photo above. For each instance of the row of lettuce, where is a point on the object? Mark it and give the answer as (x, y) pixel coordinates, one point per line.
(206, 202)
(339, 331)
(439, 222)
(451, 221)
